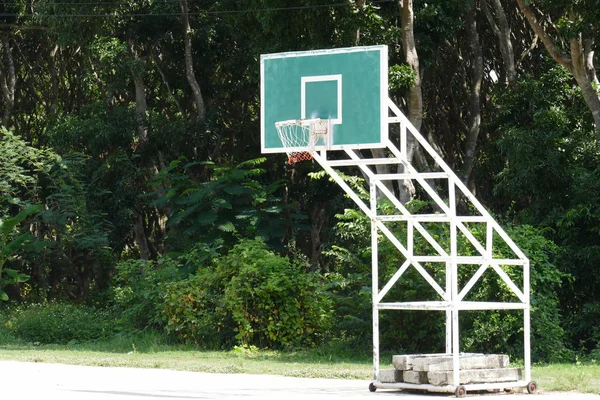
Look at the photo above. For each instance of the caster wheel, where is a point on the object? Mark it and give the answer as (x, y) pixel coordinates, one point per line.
(460, 391)
(372, 387)
(532, 387)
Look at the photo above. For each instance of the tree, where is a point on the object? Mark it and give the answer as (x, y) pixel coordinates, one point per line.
(189, 62)
(8, 78)
(496, 16)
(415, 102)
(571, 42)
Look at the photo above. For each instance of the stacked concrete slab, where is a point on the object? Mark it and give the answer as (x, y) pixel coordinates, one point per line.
(436, 369)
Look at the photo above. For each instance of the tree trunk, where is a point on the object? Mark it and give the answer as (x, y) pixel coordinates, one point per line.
(141, 126)
(141, 106)
(8, 80)
(376, 153)
(588, 53)
(141, 238)
(474, 124)
(503, 34)
(53, 82)
(415, 95)
(318, 220)
(189, 62)
(584, 73)
(359, 4)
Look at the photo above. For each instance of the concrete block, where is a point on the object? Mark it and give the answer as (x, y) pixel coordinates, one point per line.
(467, 361)
(390, 376)
(405, 362)
(440, 378)
(415, 377)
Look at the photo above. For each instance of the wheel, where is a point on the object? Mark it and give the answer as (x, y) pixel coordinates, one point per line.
(532, 387)
(460, 391)
(372, 387)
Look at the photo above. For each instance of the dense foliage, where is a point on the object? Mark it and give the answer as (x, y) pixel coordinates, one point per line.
(60, 324)
(131, 177)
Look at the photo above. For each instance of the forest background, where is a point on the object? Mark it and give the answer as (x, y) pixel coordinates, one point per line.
(133, 194)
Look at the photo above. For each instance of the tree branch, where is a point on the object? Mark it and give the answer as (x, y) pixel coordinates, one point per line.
(548, 43)
(166, 82)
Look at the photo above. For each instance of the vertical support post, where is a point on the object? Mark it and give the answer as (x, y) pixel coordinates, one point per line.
(403, 140)
(526, 324)
(410, 238)
(454, 282)
(449, 312)
(374, 280)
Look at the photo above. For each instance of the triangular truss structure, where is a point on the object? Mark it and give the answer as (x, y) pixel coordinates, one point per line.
(477, 249)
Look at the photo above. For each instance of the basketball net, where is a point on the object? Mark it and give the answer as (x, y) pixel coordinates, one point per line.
(300, 136)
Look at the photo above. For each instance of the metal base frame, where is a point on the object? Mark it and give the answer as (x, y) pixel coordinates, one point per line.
(451, 299)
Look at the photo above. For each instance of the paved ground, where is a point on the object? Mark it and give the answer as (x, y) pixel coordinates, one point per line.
(67, 382)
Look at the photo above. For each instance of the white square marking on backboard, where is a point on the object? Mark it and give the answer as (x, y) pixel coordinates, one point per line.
(322, 78)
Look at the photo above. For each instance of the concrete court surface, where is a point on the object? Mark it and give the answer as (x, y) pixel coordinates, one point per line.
(24, 381)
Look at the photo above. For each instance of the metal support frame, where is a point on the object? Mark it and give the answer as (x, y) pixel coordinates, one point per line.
(452, 300)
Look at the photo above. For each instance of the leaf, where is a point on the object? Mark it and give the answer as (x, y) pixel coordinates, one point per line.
(7, 225)
(222, 203)
(227, 227)
(13, 273)
(206, 218)
(234, 189)
(37, 245)
(3, 295)
(182, 215)
(10, 248)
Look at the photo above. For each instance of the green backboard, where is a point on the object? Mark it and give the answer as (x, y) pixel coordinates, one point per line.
(349, 86)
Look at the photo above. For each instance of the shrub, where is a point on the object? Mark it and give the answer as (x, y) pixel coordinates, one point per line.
(192, 312)
(60, 323)
(137, 291)
(5, 336)
(139, 285)
(273, 301)
(252, 296)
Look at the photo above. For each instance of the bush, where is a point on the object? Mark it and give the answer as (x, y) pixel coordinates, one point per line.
(273, 301)
(60, 323)
(139, 285)
(253, 297)
(138, 290)
(192, 312)
(5, 336)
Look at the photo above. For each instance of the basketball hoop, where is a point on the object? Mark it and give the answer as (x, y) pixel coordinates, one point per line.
(300, 136)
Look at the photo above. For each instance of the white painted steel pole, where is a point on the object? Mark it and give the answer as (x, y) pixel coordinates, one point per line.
(526, 324)
(374, 280)
(454, 283)
(449, 312)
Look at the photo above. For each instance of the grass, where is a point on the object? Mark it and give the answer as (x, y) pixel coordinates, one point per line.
(150, 351)
(578, 377)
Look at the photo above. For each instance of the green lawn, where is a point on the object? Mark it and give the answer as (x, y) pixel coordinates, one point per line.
(299, 364)
(317, 363)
